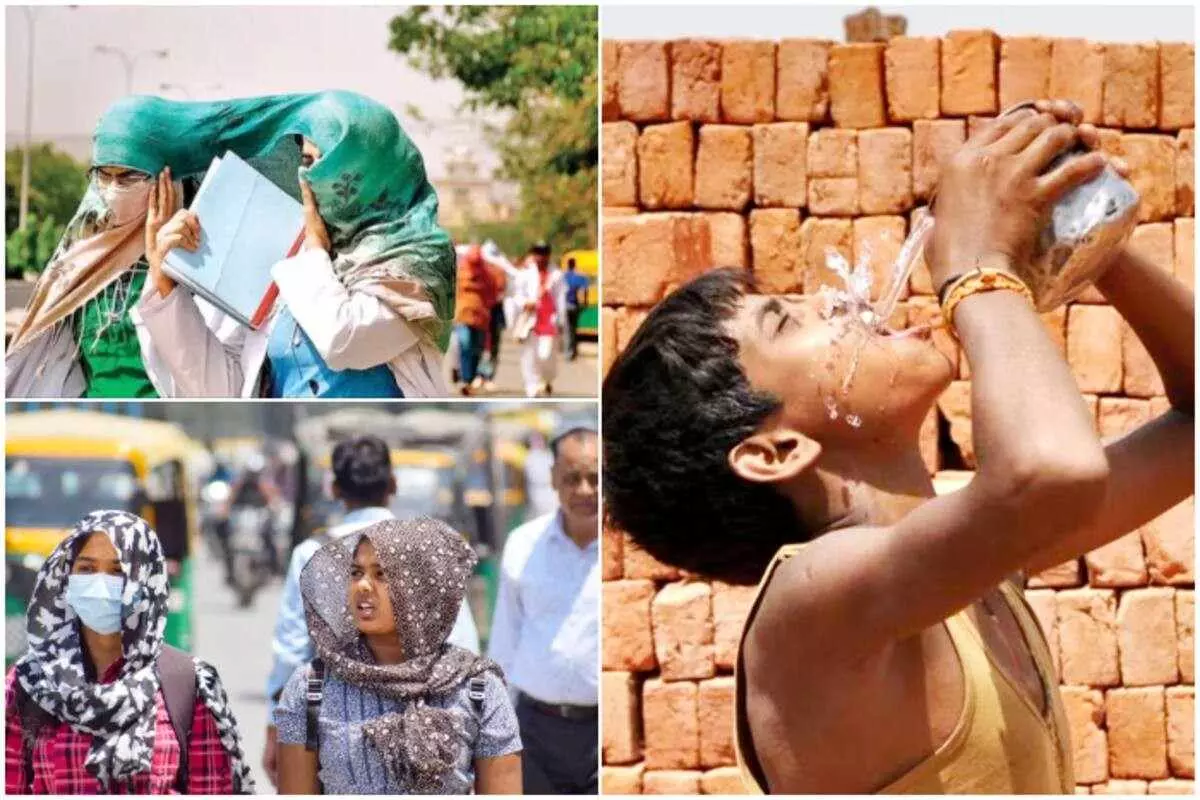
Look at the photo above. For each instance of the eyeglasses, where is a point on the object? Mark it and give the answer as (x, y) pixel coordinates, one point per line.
(121, 180)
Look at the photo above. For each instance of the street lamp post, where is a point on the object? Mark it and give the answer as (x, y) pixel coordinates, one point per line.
(23, 212)
(129, 60)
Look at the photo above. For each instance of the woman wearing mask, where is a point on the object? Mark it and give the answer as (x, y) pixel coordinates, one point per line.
(86, 707)
(363, 308)
(389, 707)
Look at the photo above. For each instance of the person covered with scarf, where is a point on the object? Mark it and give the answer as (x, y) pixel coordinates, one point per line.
(363, 308)
(401, 711)
(84, 707)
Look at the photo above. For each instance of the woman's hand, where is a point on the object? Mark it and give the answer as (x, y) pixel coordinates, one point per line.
(167, 227)
(993, 195)
(316, 235)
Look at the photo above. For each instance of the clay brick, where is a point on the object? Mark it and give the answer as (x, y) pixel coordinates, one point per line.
(639, 564)
(1185, 254)
(1177, 68)
(1024, 69)
(1077, 73)
(608, 342)
(612, 212)
(1181, 735)
(1087, 633)
(619, 181)
(722, 780)
(628, 643)
(683, 631)
(1093, 404)
(1045, 608)
(1173, 786)
(969, 73)
(724, 167)
(715, 716)
(1120, 415)
(673, 782)
(928, 441)
(780, 152)
(835, 197)
(1159, 406)
(818, 236)
(1066, 575)
(933, 142)
(1185, 622)
(645, 254)
(1141, 376)
(802, 80)
(1170, 542)
(1137, 733)
(748, 81)
(912, 69)
(621, 717)
(610, 105)
(776, 240)
(1056, 326)
(731, 604)
(1151, 160)
(644, 81)
(856, 85)
(1119, 564)
(628, 321)
(669, 720)
(877, 241)
(696, 80)
(1094, 347)
(1120, 787)
(1085, 717)
(665, 176)
(729, 241)
(612, 558)
(1146, 621)
(976, 123)
(1131, 85)
(833, 153)
(885, 171)
(1185, 173)
(621, 780)
(955, 405)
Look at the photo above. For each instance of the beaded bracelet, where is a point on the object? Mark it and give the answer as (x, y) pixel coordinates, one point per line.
(977, 281)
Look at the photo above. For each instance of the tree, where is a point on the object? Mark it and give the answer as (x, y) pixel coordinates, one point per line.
(539, 64)
(56, 184)
(30, 250)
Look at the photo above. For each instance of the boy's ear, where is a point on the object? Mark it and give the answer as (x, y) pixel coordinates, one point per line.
(773, 456)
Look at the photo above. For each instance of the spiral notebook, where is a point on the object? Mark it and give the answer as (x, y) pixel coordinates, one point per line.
(247, 225)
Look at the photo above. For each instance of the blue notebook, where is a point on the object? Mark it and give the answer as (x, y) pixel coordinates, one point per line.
(247, 225)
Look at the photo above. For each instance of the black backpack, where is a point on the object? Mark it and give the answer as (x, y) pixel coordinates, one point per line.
(177, 679)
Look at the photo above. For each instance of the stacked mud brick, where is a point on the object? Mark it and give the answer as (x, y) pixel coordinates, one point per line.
(762, 155)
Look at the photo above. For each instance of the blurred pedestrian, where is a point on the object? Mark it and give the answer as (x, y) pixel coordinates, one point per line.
(576, 289)
(390, 706)
(364, 482)
(474, 298)
(543, 297)
(539, 477)
(98, 704)
(491, 361)
(546, 630)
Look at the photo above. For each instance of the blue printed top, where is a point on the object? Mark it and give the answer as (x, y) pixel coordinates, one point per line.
(297, 369)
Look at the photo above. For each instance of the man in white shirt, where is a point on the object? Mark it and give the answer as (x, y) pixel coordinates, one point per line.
(363, 480)
(542, 291)
(545, 633)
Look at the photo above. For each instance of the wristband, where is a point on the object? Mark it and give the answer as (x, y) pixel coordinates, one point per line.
(978, 281)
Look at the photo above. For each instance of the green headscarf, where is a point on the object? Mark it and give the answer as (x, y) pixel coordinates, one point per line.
(370, 182)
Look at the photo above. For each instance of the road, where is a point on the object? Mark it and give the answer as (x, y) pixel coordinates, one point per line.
(238, 643)
(576, 378)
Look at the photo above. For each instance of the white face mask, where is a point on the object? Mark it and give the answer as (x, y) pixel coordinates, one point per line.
(126, 203)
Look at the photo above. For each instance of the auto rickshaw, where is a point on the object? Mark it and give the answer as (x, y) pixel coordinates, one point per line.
(587, 263)
(62, 464)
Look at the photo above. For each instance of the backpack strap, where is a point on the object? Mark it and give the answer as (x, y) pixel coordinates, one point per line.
(313, 696)
(476, 691)
(177, 678)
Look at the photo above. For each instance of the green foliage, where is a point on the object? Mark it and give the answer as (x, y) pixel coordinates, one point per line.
(30, 250)
(539, 64)
(56, 183)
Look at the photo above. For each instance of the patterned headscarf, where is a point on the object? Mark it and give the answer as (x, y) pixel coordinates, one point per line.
(370, 185)
(426, 565)
(119, 715)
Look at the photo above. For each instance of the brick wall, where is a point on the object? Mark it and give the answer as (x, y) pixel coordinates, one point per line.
(762, 154)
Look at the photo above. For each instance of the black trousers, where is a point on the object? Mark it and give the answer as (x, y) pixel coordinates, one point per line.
(572, 335)
(561, 756)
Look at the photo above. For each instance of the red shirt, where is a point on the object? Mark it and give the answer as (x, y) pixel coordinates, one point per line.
(60, 750)
(545, 325)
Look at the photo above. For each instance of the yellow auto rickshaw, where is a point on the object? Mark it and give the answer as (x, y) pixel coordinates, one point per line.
(62, 464)
(587, 264)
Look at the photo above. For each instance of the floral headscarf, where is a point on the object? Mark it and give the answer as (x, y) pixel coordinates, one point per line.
(426, 565)
(119, 715)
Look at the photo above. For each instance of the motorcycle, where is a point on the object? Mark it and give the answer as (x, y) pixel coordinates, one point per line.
(250, 565)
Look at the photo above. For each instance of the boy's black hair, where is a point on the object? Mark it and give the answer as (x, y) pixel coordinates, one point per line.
(675, 402)
(362, 469)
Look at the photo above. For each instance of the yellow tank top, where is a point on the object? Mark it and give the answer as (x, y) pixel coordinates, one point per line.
(1001, 744)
